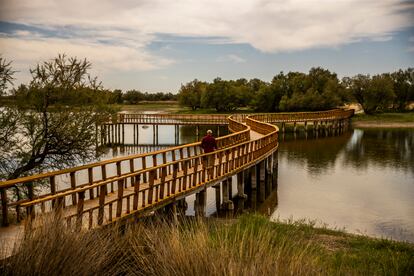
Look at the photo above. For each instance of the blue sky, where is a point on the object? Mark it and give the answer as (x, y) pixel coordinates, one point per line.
(155, 45)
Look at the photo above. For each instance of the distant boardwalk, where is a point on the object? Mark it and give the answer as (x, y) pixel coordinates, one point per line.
(120, 188)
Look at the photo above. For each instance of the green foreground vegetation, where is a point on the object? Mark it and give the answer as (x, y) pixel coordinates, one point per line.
(250, 245)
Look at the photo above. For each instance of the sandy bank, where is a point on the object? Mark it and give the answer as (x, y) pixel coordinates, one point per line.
(379, 124)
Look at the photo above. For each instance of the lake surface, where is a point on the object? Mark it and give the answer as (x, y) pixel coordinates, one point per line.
(361, 181)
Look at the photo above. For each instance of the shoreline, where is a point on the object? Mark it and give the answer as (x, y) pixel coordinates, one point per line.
(379, 124)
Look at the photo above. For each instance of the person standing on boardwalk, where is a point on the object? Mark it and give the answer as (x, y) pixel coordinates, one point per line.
(208, 144)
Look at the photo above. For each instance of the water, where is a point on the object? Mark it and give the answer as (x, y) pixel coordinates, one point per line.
(361, 181)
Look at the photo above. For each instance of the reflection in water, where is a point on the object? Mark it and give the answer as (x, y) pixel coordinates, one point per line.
(383, 148)
(362, 181)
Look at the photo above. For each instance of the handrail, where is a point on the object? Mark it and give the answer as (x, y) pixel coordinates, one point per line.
(334, 114)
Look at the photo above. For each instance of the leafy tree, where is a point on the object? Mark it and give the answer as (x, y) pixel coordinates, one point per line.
(116, 96)
(222, 95)
(6, 75)
(379, 95)
(48, 134)
(403, 82)
(190, 94)
(133, 97)
(374, 94)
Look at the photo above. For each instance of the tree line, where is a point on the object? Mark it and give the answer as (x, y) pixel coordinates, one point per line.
(319, 89)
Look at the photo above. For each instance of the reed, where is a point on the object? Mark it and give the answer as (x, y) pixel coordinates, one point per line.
(250, 245)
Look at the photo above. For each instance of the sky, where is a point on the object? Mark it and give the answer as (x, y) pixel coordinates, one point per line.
(157, 45)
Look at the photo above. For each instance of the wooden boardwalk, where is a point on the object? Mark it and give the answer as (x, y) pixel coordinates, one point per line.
(103, 192)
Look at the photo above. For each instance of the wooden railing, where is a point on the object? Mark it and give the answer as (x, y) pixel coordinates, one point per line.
(170, 119)
(329, 115)
(62, 182)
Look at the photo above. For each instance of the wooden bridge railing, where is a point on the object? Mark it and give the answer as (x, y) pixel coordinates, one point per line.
(141, 190)
(62, 182)
(334, 114)
(329, 115)
(170, 119)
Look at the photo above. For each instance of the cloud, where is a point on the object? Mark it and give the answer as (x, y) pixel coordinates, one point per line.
(268, 25)
(382, 38)
(231, 58)
(26, 53)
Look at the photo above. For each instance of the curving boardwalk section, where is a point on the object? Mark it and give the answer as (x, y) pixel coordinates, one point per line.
(103, 192)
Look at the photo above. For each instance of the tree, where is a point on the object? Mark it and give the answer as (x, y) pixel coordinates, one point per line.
(379, 95)
(133, 97)
(6, 75)
(48, 134)
(403, 82)
(190, 94)
(374, 94)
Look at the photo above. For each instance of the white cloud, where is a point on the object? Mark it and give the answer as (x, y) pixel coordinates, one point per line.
(27, 53)
(382, 38)
(231, 58)
(271, 26)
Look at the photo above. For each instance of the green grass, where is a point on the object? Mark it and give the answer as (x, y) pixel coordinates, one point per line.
(385, 117)
(250, 245)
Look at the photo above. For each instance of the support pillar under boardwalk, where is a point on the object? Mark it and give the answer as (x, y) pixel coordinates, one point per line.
(262, 182)
(240, 185)
(200, 203)
(227, 203)
(218, 196)
(268, 176)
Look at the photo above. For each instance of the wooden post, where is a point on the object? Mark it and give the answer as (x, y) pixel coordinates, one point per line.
(202, 203)
(120, 190)
(174, 212)
(52, 188)
(162, 184)
(151, 186)
(73, 185)
(144, 166)
(185, 175)
(80, 206)
(123, 133)
(90, 179)
(240, 184)
(154, 164)
(120, 197)
(253, 177)
(218, 196)
(5, 218)
(136, 191)
(174, 178)
(195, 172)
(225, 191)
(230, 187)
(102, 195)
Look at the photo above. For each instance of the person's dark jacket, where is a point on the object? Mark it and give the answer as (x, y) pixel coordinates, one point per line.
(208, 144)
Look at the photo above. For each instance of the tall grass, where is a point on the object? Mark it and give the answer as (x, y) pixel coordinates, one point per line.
(250, 245)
